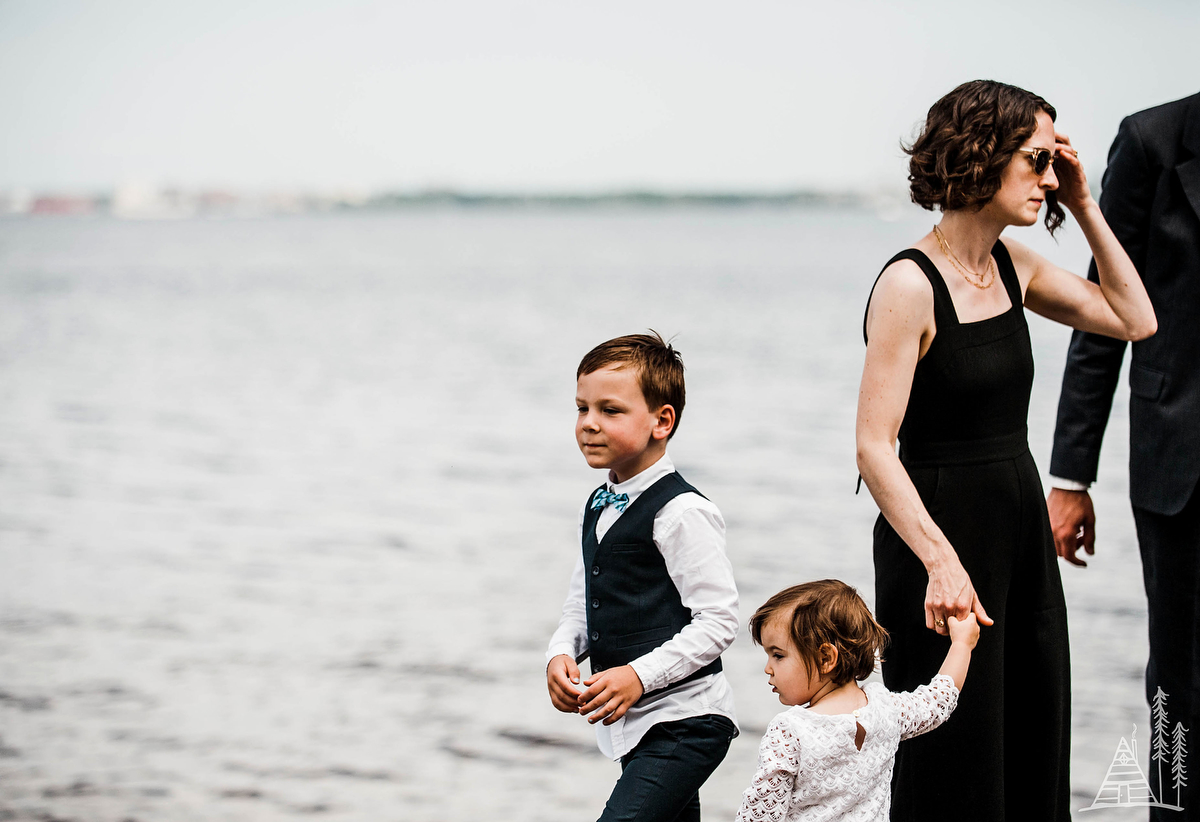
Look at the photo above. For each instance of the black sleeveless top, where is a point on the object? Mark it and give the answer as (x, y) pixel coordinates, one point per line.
(969, 401)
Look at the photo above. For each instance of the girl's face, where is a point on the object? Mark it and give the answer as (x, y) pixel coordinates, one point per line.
(1022, 190)
(788, 675)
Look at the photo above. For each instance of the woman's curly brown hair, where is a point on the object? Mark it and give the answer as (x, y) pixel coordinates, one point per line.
(969, 137)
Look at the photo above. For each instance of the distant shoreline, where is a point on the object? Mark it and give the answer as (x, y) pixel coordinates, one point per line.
(174, 203)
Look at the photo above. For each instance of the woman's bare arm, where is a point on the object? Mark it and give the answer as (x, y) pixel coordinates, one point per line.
(899, 329)
(1116, 307)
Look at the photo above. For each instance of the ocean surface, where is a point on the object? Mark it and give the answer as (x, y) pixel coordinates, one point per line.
(287, 506)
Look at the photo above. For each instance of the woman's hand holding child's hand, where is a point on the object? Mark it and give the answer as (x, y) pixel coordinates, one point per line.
(950, 592)
(610, 694)
(964, 633)
(562, 678)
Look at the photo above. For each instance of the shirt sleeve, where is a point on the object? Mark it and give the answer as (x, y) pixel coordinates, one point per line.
(690, 534)
(570, 637)
(769, 793)
(1064, 484)
(926, 707)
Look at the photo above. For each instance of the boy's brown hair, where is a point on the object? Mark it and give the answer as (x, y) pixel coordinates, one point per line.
(826, 611)
(659, 368)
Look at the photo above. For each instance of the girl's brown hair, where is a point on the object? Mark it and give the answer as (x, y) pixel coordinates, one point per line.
(969, 137)
(827, 611)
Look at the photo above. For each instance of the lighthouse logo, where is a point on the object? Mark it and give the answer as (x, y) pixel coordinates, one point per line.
(1125, 784)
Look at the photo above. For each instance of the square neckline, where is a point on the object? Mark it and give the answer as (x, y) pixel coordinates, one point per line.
(1004, 268)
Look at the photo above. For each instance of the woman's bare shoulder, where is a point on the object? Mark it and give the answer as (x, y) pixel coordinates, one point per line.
(901, 304)
(903, 285)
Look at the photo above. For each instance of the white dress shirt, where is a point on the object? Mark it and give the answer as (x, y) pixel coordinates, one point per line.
(1064, 484)
(690, 534)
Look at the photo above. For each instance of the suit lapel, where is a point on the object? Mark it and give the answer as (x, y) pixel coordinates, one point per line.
(1189, 170)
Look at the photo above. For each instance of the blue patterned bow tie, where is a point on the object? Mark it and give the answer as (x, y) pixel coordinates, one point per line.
(604, 497)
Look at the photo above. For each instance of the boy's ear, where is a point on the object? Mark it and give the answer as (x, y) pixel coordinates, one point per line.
(828, 657)
(665, 422)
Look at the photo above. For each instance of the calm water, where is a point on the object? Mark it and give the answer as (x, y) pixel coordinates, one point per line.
(287, 507)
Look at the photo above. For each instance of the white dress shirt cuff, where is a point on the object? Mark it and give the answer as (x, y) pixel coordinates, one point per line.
(560, 649)
(652, 676)
(1068, 484)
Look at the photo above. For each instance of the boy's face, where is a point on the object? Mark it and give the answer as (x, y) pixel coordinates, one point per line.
(615, 428)
(788, 675)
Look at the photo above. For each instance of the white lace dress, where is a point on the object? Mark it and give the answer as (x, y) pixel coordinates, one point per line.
(809, 768)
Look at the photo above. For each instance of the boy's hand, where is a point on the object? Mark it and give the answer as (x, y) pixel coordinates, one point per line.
(562, 678)
(965, 630)
(610, 694)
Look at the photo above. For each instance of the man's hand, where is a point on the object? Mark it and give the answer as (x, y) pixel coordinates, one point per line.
(610, 694)
(562, 678)
(1073, 522)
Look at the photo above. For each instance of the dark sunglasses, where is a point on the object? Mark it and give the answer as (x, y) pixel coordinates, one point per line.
(1042, 159)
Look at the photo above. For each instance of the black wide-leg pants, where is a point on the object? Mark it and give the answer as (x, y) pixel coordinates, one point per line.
(1004, 754)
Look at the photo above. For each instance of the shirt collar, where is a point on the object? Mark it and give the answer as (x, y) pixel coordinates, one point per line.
(638, 483)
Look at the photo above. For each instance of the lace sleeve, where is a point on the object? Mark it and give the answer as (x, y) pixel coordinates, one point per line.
(769, 792)
(926, 707)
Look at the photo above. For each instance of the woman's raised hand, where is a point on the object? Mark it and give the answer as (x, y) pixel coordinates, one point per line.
(1073, 191)
(951, 594)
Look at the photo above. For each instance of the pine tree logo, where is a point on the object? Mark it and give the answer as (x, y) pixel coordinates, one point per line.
(1158, 743)
(1178, 762)
(1125, 784)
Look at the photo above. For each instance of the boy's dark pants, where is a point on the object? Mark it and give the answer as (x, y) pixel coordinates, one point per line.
(661, 777)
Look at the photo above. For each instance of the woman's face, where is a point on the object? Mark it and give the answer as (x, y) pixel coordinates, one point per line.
(1022, 190)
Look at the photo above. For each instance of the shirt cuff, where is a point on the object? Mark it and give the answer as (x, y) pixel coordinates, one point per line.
(1068, 484)
(652, 677)
(560, 649)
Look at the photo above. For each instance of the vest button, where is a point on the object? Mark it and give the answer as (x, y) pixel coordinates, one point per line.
(595, 603)
(595, 570)
(595, 635)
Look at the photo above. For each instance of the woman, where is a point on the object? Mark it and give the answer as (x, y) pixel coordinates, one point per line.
(963, 523)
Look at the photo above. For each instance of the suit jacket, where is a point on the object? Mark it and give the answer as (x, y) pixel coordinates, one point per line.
(1151, 198)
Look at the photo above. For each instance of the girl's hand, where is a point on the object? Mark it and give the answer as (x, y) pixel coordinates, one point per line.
(965, 631)
(1073, 191)
(951, 594)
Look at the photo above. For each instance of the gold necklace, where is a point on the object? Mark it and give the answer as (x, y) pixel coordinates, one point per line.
(970, 276)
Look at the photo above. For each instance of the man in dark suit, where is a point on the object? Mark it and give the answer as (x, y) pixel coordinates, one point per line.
(1151, 198)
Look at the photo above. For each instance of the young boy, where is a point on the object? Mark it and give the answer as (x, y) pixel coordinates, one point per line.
(652, 598)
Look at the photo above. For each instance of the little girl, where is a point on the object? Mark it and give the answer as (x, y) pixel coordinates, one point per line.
(833, 759)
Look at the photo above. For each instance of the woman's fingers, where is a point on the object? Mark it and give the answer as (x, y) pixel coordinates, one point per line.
(940, 606)
(980, 613)
(935, 618)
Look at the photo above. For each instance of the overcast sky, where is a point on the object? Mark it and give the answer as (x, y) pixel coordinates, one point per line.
(546, 95)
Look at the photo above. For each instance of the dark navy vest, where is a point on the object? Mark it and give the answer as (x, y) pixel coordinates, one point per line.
(632, 605)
